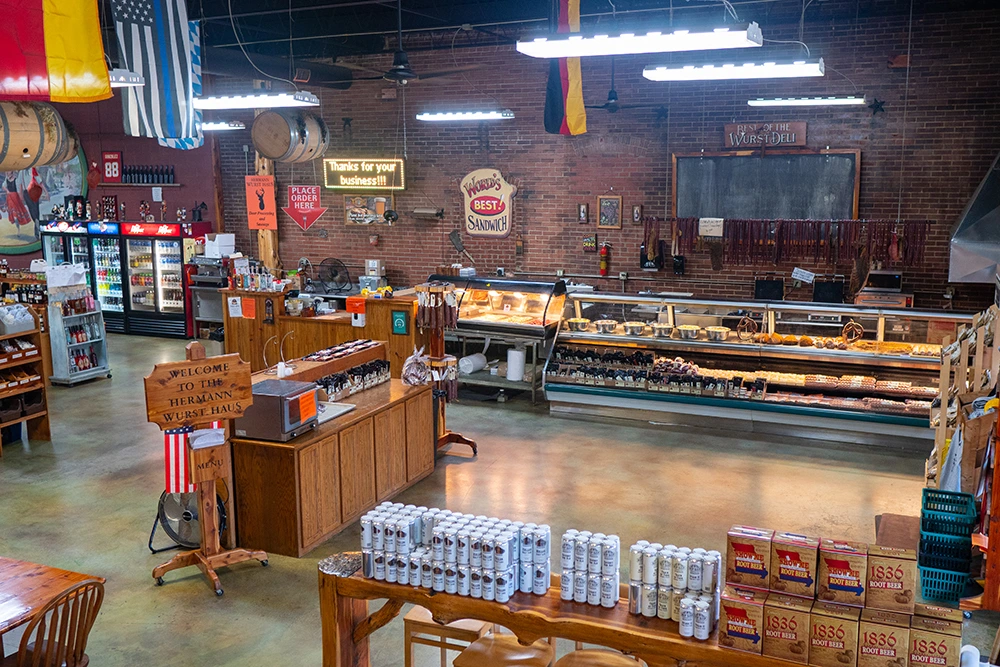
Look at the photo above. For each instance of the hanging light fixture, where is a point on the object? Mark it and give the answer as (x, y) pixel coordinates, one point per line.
(220, 126)
(459, 116)
(807, 101)
(768, 70)
(258, 101)
(123, 78)
(576, 45)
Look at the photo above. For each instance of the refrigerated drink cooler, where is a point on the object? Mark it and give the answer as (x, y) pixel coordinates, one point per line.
(106, 263)
(155, 292)
(66, 243)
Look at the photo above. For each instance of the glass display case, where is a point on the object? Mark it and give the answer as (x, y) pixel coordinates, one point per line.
(835, 361)
(530, 309)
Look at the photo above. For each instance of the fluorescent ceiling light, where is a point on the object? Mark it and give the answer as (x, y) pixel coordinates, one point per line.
(458, 116)
(575, 46)
(219, 126)
(807, 101)
(261, 101)
(768, 70)
(122, 78)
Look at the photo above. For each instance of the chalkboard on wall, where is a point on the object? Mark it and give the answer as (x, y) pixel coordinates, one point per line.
(812, 186)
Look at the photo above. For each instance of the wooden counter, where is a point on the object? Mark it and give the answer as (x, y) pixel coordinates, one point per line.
(292, 496)
(247, 336)
(346, 623)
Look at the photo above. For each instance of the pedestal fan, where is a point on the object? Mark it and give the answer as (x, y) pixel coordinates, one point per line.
(177, 513)
(333, 275)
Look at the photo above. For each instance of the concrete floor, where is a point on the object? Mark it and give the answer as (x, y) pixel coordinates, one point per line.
(85, 502)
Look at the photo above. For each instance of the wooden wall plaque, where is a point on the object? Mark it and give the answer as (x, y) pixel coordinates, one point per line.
(189, 393)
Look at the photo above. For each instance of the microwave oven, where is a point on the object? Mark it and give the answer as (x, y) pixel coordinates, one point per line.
(281, 410)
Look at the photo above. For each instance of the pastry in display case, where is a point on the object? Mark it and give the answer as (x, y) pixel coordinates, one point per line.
(508, 306)
(826, 361)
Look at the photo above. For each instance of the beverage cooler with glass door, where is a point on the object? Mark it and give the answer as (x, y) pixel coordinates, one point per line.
(156, 300)
(106, 267)
(66, 243)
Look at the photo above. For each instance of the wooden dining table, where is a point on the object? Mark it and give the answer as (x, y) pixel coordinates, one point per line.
(26, 587)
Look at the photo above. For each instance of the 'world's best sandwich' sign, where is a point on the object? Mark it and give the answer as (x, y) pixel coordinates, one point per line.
(489, 204)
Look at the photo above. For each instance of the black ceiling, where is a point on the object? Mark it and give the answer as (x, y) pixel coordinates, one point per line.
(332, 28)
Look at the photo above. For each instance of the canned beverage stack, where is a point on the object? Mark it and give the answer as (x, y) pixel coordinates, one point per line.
(676, 584)
(448, 552)
(591, 566)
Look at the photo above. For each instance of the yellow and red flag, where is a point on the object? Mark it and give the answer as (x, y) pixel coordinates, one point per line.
(564, 111)
(52, 51)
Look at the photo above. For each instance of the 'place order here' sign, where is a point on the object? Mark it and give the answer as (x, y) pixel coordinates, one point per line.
(364, 173)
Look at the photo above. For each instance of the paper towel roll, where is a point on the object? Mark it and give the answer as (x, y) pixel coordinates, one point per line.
(515, 364)
(472, 363)
(969, 656)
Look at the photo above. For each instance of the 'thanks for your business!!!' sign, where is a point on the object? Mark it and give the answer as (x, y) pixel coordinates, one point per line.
(489, 203)
(364, 174)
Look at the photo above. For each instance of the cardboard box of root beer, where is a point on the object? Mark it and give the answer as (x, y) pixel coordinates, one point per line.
(833, 635)
(892, 579)
(786, 627)
(793, 564)
(935, 636)
(884, 639)
(842, 572)
(741, 619)
(748, 556)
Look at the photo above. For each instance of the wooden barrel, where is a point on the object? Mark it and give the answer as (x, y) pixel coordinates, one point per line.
(31, 134)
(290, 135)
(70, 148)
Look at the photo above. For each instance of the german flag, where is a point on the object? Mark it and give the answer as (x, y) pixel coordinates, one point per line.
(52, 51)
(564, 112)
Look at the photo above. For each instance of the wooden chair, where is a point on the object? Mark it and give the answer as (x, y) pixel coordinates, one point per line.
(597, 658)
(419, 628)
(496, 650)
(57, 635)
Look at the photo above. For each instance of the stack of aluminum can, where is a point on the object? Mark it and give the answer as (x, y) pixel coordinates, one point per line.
(591, 566)
(478, 556)
(677, 584)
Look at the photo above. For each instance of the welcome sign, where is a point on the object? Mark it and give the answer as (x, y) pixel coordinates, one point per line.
(489, 204)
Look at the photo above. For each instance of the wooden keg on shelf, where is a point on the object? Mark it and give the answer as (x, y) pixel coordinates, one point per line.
(290, 135)
(34, 134)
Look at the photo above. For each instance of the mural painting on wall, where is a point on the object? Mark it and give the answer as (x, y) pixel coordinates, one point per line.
(20, 215)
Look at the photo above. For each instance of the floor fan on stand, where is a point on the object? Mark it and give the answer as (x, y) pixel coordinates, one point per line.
(177, 515)
(333, 275)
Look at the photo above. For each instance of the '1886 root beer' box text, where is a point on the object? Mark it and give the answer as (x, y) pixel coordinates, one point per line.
(833, 635)
(793, 564)
(842, 572)
(892, 579)
(935, 637)
(885, 637)
(741, 619)
(748, 556)
(786, 627)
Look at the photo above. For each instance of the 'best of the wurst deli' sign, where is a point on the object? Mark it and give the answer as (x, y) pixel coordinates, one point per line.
(189, 393)
(489, 203)
(759, 135)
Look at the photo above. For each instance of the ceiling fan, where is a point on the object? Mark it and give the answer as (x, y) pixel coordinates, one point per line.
(401, 73)
(613, 106)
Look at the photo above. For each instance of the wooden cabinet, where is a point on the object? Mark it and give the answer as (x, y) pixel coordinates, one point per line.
(292, 496)
(420, 435)
(390, 451)
(357, 468)
(319, 489)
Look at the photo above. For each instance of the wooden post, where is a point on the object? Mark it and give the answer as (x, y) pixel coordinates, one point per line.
(991, 592)
(220, 215)
(344, 613)
(267, 239)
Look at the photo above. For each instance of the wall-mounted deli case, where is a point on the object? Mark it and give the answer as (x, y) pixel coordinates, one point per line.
(840, 372)
(511, 313)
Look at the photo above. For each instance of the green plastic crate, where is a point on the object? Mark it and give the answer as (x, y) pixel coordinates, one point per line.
(941, 584)
(948, 513)
(945, 552)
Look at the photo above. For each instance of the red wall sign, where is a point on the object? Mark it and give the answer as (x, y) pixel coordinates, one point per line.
(150, 229)
(303, 205)
(112, 162)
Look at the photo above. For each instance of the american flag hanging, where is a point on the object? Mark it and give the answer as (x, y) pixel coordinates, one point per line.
(175, 458)
(154, 41)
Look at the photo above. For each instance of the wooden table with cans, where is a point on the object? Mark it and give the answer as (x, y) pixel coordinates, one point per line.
(346, 623)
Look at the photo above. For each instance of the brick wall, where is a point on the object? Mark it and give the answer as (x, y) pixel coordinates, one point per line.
(950, 131)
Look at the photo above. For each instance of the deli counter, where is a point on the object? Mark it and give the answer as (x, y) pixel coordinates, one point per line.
(504, 313)
(837, 372)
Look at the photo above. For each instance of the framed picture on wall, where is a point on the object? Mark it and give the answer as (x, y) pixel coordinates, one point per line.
(583, 213)
(637, 213)
(367, 209)
(609, 212)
